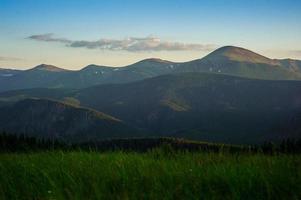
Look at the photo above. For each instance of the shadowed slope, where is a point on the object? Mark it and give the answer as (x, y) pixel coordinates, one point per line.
(52, 119)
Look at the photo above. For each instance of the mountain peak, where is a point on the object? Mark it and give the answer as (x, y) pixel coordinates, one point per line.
(234, 51)
(95, 67)
(45, 67)
(156, 60)
(240, 54)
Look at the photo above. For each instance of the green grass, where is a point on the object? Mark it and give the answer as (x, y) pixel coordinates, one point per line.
(154, 175)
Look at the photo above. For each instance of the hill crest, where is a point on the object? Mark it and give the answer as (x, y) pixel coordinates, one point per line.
(241, 55)
(45, 67)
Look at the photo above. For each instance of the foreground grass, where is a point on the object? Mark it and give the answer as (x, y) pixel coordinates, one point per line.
(155, 175)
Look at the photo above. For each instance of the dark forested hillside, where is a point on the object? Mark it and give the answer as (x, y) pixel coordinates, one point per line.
(52, 119)
(203, 106)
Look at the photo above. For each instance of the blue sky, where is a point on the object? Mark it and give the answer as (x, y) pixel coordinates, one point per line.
(101, 32)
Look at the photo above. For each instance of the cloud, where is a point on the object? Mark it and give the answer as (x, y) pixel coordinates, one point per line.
(48, 37)
(4, 58)
(132, 44)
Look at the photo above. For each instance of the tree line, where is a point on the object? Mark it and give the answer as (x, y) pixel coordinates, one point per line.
(23, 143)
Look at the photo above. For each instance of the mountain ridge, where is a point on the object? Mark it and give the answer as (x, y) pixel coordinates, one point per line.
(226, 50)
(229, 60)
(46, 67)
(241, 54)
(202, 106)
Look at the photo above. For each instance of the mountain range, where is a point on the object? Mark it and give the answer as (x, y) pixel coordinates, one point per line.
(226, 60)
(232, 95)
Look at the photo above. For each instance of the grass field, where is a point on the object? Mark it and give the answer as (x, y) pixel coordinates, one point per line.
(154, 175)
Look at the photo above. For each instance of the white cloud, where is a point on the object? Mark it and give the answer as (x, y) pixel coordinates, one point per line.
(132, 44)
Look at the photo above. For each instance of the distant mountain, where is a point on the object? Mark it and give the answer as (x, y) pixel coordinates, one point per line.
(8, 72)
(203, 106)
(228, 60)
(37, 77)
(47, 76)
(291, 65)
(48, 68)
(241, 62)
(52, 119)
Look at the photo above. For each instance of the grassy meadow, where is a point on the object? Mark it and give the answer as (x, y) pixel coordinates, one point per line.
(157, 174)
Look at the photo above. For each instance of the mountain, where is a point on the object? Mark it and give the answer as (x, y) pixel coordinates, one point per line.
(95, 75)
(52, 119)
(47, 68)
(144, 69)
(292, 65)
(203, 106)
(37, 77)
(48, 76)
(241, 62)
(227, 60)
(8, 72)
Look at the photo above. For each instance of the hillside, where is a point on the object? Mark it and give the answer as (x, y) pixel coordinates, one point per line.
(203, 106)
(52, 119)
(8, 72)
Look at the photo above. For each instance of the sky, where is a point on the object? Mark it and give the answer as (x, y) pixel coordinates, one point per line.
(73, 34)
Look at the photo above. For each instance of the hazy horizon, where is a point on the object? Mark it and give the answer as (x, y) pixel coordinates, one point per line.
(125, 65)
(74, 34)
